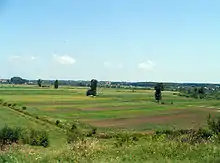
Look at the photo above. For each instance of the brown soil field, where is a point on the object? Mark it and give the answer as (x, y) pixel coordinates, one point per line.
(163, 117)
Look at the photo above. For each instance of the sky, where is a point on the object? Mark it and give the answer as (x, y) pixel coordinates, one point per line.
(116, 40)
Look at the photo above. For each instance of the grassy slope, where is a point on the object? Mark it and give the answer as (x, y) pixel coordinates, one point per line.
(14, 119)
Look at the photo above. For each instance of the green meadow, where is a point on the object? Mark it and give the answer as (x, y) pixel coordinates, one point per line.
(114, 110)
(120, 107)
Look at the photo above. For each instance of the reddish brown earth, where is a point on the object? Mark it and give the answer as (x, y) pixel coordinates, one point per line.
(162, 117)
(122, 122)
(93, 109)
(108, 108)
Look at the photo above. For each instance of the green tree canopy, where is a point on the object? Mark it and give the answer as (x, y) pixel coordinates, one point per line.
(56, 84)
(158, 95)
(93, 87)
(39, 82)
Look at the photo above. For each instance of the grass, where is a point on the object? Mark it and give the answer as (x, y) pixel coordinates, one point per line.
(147, 149)
(13, 119)
(114, 111)
(68, 104)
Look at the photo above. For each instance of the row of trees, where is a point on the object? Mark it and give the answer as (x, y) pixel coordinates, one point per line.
(93, 88)
(92, 91)
(17, 80)
(197, 93)
(194, 92)
(56, 83)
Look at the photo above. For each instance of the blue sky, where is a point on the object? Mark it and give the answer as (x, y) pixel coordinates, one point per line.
(124, 40)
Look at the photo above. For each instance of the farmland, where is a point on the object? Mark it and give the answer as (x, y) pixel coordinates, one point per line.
(115, 110)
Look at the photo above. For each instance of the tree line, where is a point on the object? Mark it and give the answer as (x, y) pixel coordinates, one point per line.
(56, 83)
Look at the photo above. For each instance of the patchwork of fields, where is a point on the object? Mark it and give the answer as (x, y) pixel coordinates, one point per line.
(115, 108)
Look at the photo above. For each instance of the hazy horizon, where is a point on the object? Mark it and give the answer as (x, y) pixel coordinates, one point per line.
(184, 82)
(162, 41)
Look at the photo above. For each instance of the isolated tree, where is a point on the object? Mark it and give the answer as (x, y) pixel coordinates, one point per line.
(39, 82)
(56, 84)
(158, 95)
(93, 88)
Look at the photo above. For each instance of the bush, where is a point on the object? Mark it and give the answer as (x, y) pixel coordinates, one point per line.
(57, 122)
(37, 138)
(14, 105)
(1, 101)
(5, 104)
(24, 107)
(214, 125)
(176, 132)
(191, 136)
(9, 135)
(74, 127)
(92, 132)
(205, 133)
(124, 139)
(73, 136)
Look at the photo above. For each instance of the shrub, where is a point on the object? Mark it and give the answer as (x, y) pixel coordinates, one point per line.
(214, 125)
(191, 136)
(14, 105)
(92, 132)
(24, 107)
(166, 132)
(5, 104)
(1, 101)
(57, 122)
(176, 132)
(73, 136)
(73, 127)
(9, 135)
(204, 133)
(124, 139)
(37, 138)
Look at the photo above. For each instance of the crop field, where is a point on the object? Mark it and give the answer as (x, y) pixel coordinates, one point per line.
(114, 108)
(125, 123)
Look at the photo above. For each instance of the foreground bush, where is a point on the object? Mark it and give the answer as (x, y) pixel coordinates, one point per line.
(74, 135)
(36, 138)
(214, 124)
(9, 135)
